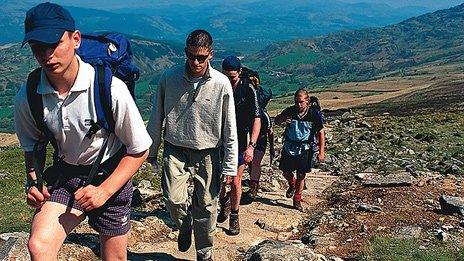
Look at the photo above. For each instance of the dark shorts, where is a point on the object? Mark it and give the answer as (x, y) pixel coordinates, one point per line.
(301, 163)
(111, 219)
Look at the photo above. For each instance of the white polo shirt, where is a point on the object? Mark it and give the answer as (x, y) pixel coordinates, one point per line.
(68, 118)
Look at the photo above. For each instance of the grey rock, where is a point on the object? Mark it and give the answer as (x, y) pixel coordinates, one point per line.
(369, 208)
(280, 251)
(442, 235)
(409, 232)
(13, 246)
(453, 169)
(461, 223)
(392, 180)
(364, 124)
(451, 205)
(3, 175)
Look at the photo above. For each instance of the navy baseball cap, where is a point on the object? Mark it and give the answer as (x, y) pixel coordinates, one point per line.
(46, 23)
(231, 63)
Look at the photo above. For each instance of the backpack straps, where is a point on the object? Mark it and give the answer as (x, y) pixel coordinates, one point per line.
(103, 107)
(36, 107)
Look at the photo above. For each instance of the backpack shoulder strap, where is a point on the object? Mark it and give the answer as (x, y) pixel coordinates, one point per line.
(102, 99)
(103, 107)
(34, 99)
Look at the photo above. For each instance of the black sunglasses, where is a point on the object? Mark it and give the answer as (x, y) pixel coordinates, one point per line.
(199, 58)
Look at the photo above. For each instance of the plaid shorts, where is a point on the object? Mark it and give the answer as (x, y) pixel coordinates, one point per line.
(111, 219)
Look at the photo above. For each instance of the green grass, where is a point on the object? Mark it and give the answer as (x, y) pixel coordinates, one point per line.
(297, 56)
(393, 249)
(15, 214)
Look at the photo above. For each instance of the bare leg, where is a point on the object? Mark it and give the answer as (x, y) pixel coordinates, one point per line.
(255, 172)
(236, 192)
(114, 247)
(50, 226)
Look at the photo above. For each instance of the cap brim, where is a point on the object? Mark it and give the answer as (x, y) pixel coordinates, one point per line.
(47, 36)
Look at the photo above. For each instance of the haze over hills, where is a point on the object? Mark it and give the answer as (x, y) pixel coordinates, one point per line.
(363, 54)
(246, 25)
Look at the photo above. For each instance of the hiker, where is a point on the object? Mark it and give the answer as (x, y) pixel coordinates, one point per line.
(302, 123)
(65, 86)
(195, 102)
(248, 121)
(266, 134)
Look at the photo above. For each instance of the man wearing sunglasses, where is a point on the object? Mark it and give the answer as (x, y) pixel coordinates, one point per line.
(195, 103)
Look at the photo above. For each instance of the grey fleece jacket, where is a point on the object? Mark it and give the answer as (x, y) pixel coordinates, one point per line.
(201, 118)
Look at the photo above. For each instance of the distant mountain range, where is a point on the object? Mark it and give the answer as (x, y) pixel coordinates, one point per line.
(435, 38)
(363, 54)
(235, 25)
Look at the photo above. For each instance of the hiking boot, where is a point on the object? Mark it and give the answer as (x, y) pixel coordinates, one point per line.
(224, 210)
(297, 205)
(184, 239)
(234, 225)
(290, 192)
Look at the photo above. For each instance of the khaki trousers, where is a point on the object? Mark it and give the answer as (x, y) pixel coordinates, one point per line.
(203, 168)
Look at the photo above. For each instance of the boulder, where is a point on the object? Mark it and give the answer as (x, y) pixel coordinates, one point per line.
(281, 251)
(13, 246)
(450, 205)
(392, 180)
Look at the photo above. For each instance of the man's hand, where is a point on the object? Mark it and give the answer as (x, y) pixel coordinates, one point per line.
(248, 154)
(91, 197)
(35, 198)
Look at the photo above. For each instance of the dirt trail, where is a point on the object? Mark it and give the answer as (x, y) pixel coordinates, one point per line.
(272, 208)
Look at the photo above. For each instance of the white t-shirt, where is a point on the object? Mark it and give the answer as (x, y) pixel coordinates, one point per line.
(68, 118)
(196, 81)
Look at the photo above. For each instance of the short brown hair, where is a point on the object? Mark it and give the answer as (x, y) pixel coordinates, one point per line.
(199, 38)
(300, 92)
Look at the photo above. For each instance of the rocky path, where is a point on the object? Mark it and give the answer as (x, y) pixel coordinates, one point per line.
(278, 219)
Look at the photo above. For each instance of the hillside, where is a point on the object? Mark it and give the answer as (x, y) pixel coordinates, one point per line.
(152, 57)
(364, 54)
(240, 25)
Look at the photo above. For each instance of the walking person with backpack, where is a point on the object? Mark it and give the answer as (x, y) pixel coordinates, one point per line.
(301, 125)
(248, 117)
(58, 104)
(266, 132)
(196, 104)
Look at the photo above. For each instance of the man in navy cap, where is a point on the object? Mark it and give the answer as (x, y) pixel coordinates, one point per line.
(67, 94)
(248, 121)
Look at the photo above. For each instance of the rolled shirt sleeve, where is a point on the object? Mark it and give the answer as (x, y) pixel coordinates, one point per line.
(26, 129)
(129, 126)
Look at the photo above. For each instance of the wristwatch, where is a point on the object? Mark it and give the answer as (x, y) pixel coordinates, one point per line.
(252, 144)
(29, 184)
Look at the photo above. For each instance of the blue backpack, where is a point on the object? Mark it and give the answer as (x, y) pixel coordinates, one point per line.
(111, 55)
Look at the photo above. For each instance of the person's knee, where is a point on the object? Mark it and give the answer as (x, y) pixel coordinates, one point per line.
(39, 247)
